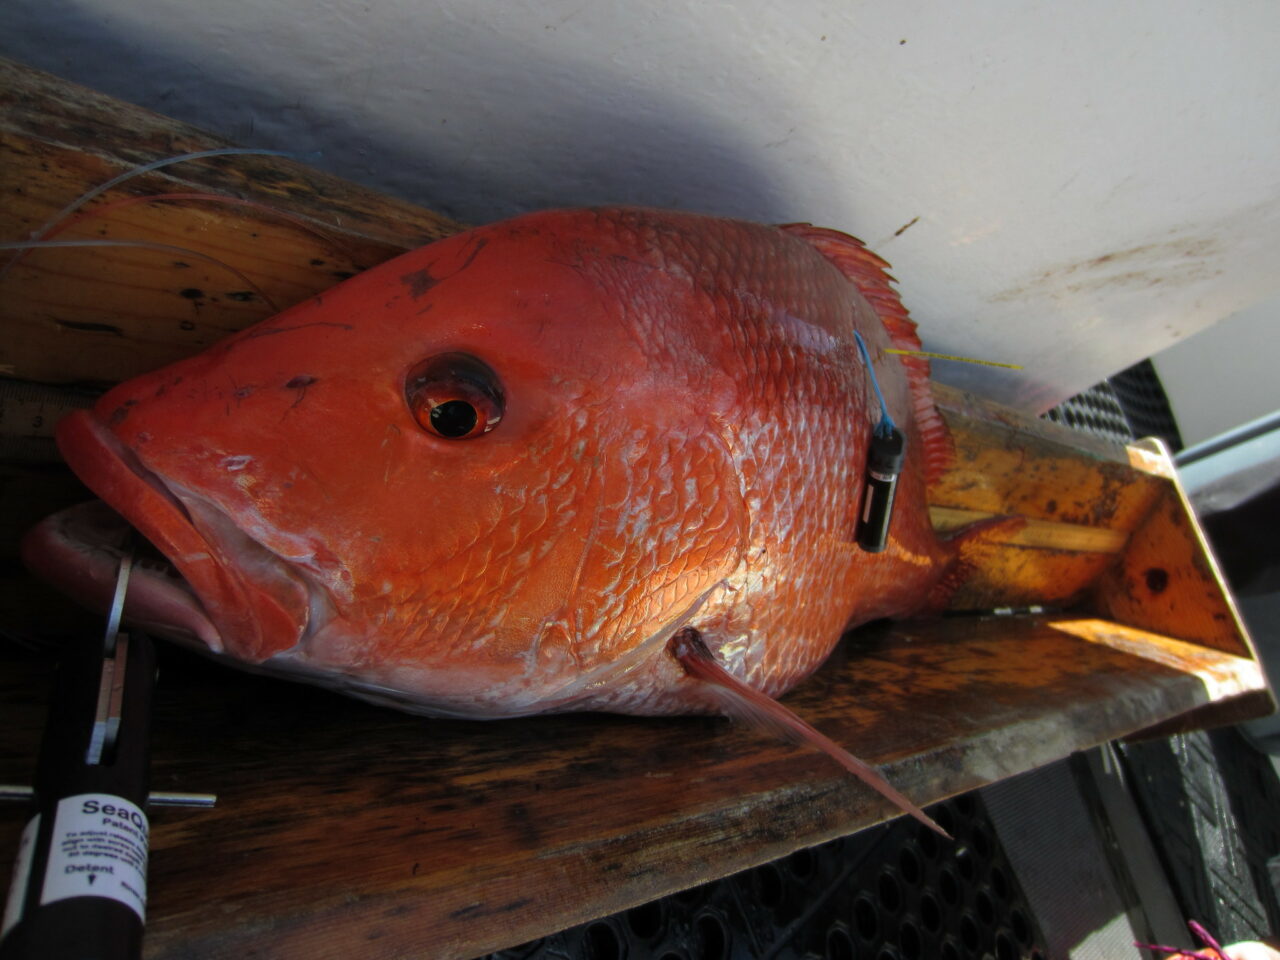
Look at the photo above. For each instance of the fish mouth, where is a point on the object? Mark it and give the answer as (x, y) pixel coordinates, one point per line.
(205, 581)
(79, 550)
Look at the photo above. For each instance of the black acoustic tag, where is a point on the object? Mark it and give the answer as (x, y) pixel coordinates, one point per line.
(884, 464)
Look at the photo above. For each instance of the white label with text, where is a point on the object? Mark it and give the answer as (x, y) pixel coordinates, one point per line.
(99, 849)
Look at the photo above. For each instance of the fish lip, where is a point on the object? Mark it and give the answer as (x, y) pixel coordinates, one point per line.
(236, 614)
(79, 550)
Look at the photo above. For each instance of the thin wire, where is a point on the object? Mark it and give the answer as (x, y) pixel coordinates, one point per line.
(84, 198)
(886, 426)
(201, 198)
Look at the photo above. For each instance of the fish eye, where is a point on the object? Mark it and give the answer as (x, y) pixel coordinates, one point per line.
(454, 396)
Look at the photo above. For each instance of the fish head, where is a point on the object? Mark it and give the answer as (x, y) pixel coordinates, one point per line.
(488, 477)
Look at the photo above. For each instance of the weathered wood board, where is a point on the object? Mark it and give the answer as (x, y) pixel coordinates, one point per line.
(347, 830)
(100, 315)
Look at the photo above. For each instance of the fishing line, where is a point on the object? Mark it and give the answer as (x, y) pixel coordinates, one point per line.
(886, 426)
(200, 198)
(84, 198)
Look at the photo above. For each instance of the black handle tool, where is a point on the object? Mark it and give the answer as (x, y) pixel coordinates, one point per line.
(79, 886)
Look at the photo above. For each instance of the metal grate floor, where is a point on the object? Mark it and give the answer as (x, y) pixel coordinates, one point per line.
(895, 892)
(1130, 404)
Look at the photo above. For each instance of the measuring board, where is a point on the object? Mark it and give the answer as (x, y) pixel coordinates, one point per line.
(28, 414)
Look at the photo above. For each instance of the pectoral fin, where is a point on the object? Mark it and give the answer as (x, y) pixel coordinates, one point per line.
(741, 702)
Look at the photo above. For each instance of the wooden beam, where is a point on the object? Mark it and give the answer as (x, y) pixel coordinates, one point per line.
(278, 230)
(345, 830)
(1036, 533)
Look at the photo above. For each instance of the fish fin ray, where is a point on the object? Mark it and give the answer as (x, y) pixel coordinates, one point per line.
(870, 274)
(748, 705)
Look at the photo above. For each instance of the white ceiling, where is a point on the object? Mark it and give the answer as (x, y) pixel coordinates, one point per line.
(1071, 186)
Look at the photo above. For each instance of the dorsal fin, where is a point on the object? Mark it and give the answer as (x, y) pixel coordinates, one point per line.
(870, 275)
(744, 703)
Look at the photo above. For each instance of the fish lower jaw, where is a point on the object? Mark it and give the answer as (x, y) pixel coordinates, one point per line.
(243, 599)
(79, 550)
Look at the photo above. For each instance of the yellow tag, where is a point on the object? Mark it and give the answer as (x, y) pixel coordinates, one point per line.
(945, 356)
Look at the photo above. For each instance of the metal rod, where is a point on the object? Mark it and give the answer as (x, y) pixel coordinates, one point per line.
(117, 600)
(158, 798)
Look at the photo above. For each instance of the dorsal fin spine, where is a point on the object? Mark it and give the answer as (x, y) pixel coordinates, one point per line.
(869, 274)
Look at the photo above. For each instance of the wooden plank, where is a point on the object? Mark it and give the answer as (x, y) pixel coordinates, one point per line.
(1224, 713)
(104, 314)
(1036, 533)
(1080, 498)
(346, 830)
(1005, 464)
